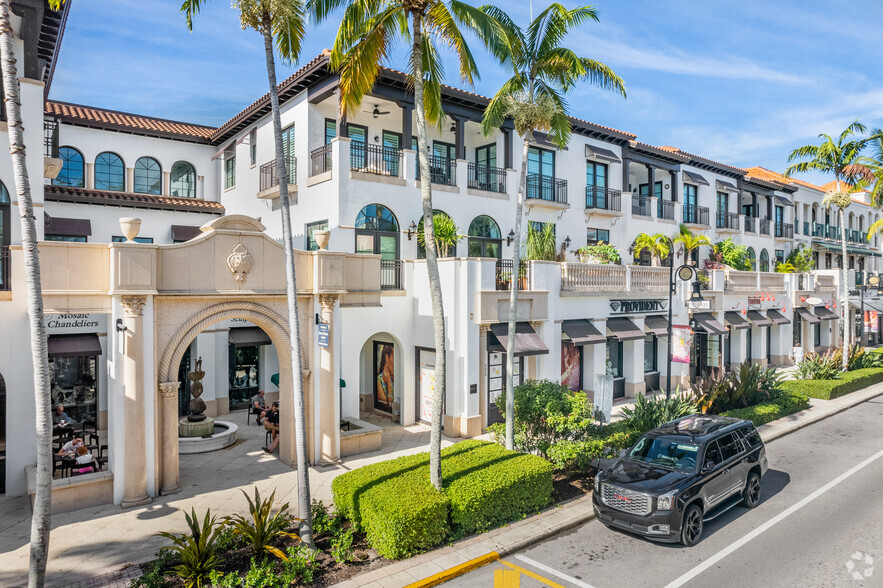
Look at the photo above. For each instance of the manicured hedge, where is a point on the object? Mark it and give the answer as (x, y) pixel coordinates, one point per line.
(844, 384)
(402, 514)
(788, 403)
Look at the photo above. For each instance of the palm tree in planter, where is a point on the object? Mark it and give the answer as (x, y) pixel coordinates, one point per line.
(843, 159)
(689, 241)
(369, 29)
(281, 23)
(447, 235)
(657, 245)
(542, 73)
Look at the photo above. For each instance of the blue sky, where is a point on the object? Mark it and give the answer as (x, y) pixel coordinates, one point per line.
(742, 82)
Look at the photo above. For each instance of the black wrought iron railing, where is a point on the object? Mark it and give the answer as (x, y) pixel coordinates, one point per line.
(269, 178)
(665, 209)
(381, 160)
(546, 188)
(750, 224)
(784, 230)
(833, 232)
(505, 277)
(390, 274)
(486, 177)
(50, 136)
(696, 215)
(601, 198)
(641, 205)
(818, 230)
(442, 170)
(320, 160)
(727, 220)
(5, 272)
(764, 225)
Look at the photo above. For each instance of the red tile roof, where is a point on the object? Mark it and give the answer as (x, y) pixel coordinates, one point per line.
(130, 200)
(91, 116)
(771, 176)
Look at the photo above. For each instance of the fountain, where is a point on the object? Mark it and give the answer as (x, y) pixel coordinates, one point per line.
(198, 433)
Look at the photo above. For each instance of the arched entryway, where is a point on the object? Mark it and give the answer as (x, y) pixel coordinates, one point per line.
(382, 381)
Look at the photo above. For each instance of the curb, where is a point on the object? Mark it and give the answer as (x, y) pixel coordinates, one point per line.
(451, 573)
(817, 418)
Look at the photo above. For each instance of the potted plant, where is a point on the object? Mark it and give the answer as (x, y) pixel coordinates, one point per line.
(657, 245)
(599, 253)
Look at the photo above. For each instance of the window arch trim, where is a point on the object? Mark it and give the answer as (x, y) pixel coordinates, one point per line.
(112, 181)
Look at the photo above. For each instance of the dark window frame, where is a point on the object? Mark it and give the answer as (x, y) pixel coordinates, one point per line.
(308, 233)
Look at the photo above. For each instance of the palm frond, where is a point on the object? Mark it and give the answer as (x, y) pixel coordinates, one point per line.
(190, 8)
(561, 22)
(289, 31)
(497, 110)
(441, 23)
(855, 127)
(875, 229)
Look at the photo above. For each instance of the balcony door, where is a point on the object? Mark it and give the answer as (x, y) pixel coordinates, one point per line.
(596, 179)
(541, 173)
(392, 143)
(377, 232)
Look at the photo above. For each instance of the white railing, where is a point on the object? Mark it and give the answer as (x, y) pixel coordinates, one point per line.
(588, 277)
(648, 279)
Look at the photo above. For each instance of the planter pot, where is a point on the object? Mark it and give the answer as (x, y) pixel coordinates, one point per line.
(130, 227)
(322, 237)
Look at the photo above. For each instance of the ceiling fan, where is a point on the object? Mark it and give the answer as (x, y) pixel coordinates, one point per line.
(377, 112)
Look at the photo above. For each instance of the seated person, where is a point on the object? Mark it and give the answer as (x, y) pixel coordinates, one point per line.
(61, 418)
(85, 461)
(258, 407)
(271, 423)
(71, 446)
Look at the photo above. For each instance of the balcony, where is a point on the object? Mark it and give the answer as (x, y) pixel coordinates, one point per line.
(51, 161)
(750, 224)
(442, 170)
(320, 160)
(269, 179)
(641, 206)
(5, 270)
(587, 277)
(379, 160)
(854, 236)
(696, 215)
(390, 274)
(727, 221)
(764, 225)
(818, 230)
(547, 189)
(486, 178)
(665, 209)
(599, 198)
(736, 281)
(832, 232)
(784, 231)
(503, 276)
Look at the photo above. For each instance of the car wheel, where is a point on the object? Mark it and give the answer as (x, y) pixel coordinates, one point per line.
(751, 494)
(691, 530)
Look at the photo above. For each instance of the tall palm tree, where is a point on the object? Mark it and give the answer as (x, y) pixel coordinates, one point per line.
(658, 245)
(369, 29)
(689, 241)
(534, 98)
(841, 158)
(282, 24)
(40, 519)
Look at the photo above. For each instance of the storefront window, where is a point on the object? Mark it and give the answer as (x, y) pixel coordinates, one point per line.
(571, 365)
(244, 372)
(797, 324)
(817, 335)
(614, 355)
(714, 351)
(650, 345)
(74, 385)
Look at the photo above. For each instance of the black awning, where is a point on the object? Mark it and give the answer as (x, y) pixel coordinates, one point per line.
(825, 314)
(874, 304)
(582, 332)
(809, 317)
(543, 139)
(758, 319)
(783, 201)
(181, 233)
(624, 329)
(79, 345)
(726, 186)
(249, 337)
(69, 227)
(736, 320)
(695, 178)
(777, 317)
(527, 342)
(658, 325)
(707, 322)
(602, 154)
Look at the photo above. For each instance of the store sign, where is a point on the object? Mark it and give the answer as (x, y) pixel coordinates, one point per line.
(323, 334)
(75, 323)
(630, 306)
(699, 304)
(233, 323)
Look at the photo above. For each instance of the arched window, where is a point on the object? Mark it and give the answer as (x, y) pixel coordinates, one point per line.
(485, 239)
(377, 231)
(73, 169)
(183, 180)
(861, 223)
(148, 176)
(764, 260)
(110, 173)
(752, 258)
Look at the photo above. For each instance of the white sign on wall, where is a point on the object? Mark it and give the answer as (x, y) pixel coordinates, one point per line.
(59, 324)
(427, 391)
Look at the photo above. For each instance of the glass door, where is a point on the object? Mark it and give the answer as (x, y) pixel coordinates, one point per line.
(540, 173)
(596, 179)
(391, 145)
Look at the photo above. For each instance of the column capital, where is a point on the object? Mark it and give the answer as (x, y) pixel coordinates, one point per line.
(169, 389)
(483, 329)
(327, 302)
(133, 305)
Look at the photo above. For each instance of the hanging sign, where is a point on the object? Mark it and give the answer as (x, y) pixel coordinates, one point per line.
(871, 322)
(681, 341)
(323, 334)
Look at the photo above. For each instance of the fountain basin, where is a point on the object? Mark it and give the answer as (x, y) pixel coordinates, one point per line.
(224, 435)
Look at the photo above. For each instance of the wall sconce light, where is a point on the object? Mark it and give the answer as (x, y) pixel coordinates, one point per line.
(376, 138)
(453, 127)
(120, 326)
(412, 228)
(567, 242)
(510, 237)
(666, 186)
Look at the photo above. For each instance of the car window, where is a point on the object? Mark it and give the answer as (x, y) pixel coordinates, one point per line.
(713, 453)
(752, 437)
(665, 452)
(730, 446)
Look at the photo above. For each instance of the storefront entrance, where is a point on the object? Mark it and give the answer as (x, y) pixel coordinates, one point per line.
(385, 394)
(245, 364)
(184, 390)
(496, 385)
(73, 375)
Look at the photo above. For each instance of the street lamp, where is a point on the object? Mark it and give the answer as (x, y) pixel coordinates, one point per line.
(684, 273)
(874, 282)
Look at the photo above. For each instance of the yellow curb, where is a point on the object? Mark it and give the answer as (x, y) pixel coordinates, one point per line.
(463, 568)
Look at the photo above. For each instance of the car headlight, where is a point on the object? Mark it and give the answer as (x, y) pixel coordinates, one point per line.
(666, 501)
(598, 482)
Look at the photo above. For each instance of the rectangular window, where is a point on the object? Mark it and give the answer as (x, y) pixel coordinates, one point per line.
(120, 239)
(614, 355)
(76, 381)
(541, 162)
(357, 132)
(253, 146)
(66, 238)
(650, 343)
(723, 202)
(690, 194)
(780, 215)
(780, 256)
(595, 235)
(330, 130)
(310, 228)
(657, 189)
(288, 143)
(596, 175)
(442, 149)
(229, 171)
(486, 155)
(817, 334)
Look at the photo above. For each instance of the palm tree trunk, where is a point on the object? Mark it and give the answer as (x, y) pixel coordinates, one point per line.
(297, 384)
(844, 290)
(513, 301)
(438, 315)
(40, 521)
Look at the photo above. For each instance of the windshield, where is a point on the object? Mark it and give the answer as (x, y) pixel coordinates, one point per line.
(665, 452)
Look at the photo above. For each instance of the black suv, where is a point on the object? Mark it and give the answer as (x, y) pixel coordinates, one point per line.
(681, 474)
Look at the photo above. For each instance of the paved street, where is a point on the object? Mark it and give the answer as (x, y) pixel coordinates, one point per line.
(822, 504)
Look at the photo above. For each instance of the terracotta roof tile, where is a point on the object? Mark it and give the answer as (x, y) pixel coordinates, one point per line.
(130, 199)
(771, 176)
(112, 119)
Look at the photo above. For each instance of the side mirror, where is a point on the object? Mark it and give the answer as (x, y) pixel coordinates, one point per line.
(709, 465)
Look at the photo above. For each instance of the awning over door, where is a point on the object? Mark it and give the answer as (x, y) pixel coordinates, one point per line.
(694, 178)
(624, 329)
(825, 314)
(726, 186)
(582, 332)
(870, 304)
(706, 321)
(783, 201)
(602, 154)
(758, 319)
(809, 317)
(249, 337)
(69, 227)
(79, 345)
(527, 342)
(777, 317)
(182, 233)
(658, 325)
(735, 320)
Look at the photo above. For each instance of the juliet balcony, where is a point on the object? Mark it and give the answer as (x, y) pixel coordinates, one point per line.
(547, 190)
(269, 179)
(603, 200)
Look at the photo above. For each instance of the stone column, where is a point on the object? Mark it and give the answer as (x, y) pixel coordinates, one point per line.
(90, 177)
(130, 179)
(169, 392)
(135, 461)
(166, 183)
(329, 427)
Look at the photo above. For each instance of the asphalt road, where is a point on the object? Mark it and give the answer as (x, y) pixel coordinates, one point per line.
(822, 506)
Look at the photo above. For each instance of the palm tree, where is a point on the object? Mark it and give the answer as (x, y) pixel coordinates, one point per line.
(689, 240)
(841, 158)
(542, 73)
(658, 245)
(282, 24)
(368, 31)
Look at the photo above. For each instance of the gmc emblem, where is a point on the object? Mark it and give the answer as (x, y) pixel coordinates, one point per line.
(620, 497)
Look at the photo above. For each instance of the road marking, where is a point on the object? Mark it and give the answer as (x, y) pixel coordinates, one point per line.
(776, 519)
(553, 571)
(507, 579)
(531, 574)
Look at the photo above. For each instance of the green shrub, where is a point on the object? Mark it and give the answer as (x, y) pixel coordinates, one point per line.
(816, 366)
(262, 527)
(747, 386)
(650, 412)
(300, 566)
(759, 414)
(845, 383)
(577, 456)
(342, 546)
(154, 577)
(197, 551)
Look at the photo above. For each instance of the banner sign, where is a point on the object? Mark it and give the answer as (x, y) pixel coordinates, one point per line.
(629, 306)
(871, 322)
(681, 341)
